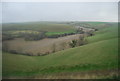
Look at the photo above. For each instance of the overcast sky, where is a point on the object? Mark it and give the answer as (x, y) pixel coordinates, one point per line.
(79, 11)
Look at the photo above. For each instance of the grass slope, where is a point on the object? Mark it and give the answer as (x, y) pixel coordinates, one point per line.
(104, 34)
(98, 55)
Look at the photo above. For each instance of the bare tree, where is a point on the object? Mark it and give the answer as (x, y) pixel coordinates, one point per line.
(63, 45)
(82, 40)
(54, 48)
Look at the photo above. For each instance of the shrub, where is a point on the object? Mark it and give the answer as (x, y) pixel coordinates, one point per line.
(82, 40)
(13, 51)
(90, 33)
(7, 37)
(73, 43)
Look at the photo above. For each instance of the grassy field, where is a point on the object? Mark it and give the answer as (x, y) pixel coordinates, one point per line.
(36, 30)
(100, 54)
(59, 33)
(38, 26)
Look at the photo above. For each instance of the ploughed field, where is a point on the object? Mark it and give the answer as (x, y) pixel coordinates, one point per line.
(39, 47)
(96, 59)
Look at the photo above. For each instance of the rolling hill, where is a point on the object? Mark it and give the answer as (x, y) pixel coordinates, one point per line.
(101, 53)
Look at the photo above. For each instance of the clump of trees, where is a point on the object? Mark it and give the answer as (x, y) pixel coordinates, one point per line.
(80, 31)
(78, 42)
(26, 36)
(60, 35)
(96, 29)
(33, 36)
(14, 52)
(7, 37)
(73, 43)
(90, 33)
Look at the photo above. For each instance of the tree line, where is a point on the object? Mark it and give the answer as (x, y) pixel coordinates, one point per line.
(42, 35)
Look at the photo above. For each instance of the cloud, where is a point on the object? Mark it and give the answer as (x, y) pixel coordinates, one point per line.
(61, 11)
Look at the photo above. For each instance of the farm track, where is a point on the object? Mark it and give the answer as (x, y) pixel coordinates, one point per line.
(95, 74)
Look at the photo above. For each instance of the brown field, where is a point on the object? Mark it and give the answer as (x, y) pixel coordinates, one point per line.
(43, 46)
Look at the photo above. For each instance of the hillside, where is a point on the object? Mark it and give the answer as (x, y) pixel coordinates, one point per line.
(100, 54)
